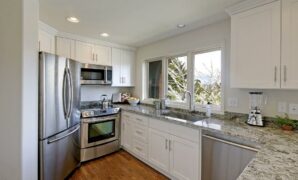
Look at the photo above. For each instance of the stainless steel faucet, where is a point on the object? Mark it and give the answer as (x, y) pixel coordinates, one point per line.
(190, 105)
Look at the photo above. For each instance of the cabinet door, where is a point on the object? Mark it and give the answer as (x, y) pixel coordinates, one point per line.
(46, 42)
(158, 153)
(102, 55)
(116, 63)
(126, 132)
(84, 52)
(289, 60)
(127, 68)
(255, 47)
(65, 47)
(184, 159)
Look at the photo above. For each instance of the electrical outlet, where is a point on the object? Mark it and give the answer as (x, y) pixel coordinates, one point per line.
(233, 102)
(293, 109)
(282, 107)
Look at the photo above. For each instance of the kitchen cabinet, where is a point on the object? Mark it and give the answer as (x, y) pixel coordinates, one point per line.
(289, 62)
(93, 54)
(84, 52)
(158, 149)
(184, 158)
(123, 62)
(255, 47)
(46, 42)
(65, 47)
(102, 55)
(174, 149)
(127, 131)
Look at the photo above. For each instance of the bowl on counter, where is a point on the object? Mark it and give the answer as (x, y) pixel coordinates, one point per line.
(133, 102)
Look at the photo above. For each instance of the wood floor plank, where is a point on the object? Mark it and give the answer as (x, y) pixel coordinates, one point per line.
(117, 166)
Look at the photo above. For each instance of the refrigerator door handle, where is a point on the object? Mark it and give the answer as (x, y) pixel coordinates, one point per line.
(64, 93)
(70, 93)
(63, 136)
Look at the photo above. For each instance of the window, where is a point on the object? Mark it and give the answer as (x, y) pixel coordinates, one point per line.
(207, 77)
(177, 78)
(199, 73)
(155, 87)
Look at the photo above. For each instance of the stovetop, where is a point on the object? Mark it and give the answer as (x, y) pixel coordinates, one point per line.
(97, 112)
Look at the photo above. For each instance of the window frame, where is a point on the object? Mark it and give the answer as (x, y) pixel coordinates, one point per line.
(218, 109)
(176, 104)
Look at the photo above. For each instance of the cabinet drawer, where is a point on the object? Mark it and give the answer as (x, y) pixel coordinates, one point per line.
(140, 133)
(140, 149)
(185, 132)
(143, 120)
(159, 125)
(127, 116)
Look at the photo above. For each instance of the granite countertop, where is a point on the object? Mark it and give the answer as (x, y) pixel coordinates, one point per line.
(277, 158)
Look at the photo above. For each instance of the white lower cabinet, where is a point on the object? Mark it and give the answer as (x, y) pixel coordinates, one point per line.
(169, 148)
(184, 158)
(126, 131)
(158, 149)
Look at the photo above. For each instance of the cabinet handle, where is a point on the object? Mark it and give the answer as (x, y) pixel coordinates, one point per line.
(139, 119)
(285, 73)
(169, 145)
(166, 144)
(275, 74)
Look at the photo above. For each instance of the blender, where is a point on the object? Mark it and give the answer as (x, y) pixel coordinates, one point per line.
(256, 104)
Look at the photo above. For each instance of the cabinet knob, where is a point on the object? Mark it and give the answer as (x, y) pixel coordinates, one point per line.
(285, 73)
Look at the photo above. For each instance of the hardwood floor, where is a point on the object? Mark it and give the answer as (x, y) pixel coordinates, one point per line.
(117, 166)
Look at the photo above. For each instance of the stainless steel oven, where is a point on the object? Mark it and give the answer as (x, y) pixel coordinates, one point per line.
(99, 136)
(96, 74)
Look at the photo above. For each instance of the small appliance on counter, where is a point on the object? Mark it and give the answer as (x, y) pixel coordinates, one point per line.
(256, 104)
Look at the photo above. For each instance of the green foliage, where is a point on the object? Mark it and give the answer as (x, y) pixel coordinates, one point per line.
(280, 121)
(204, 92)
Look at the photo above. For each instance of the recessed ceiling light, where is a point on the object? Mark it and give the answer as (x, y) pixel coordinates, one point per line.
(181, 25)
(104, 34)
(73, 19)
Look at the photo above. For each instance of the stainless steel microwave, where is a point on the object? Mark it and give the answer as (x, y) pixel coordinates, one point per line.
(96, 74)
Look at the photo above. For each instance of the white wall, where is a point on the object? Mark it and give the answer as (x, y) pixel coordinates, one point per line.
(93, 93)
(18, 90)
(200, 38)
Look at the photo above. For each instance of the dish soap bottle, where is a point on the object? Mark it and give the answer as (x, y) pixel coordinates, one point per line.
(208, 109)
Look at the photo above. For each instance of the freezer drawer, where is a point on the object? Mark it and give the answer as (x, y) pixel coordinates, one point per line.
(59, 155)
(224, 160)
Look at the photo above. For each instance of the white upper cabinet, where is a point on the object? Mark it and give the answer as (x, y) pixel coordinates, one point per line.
(103, 55)
(255, 47)
(93, 54)
(84, 52)
(46, 42)
(65, 47)
(123, 62)
(289, 63)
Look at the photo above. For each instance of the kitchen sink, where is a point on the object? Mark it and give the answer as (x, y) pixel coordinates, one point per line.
(183, 116)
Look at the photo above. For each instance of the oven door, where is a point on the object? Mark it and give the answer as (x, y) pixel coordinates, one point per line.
(99, 130)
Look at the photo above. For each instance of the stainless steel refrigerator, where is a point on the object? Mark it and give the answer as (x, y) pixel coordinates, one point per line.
(59, 116)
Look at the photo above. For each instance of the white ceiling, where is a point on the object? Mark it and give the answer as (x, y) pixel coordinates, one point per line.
(132, 22)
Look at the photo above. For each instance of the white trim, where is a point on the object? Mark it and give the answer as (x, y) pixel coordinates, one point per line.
(217, 46)
(47, 28)
(94, 41)
(247, 5)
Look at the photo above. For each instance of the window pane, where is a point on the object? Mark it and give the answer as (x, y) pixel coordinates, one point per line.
(207, 77)
(177, 77)
(155, 79)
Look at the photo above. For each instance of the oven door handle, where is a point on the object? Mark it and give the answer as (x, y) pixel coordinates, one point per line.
(99, 119)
